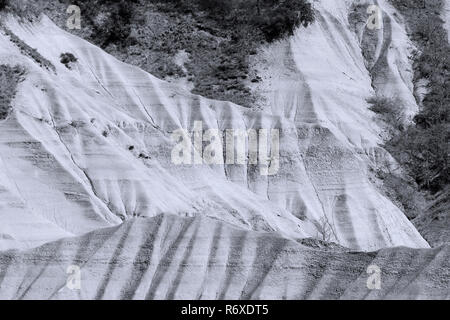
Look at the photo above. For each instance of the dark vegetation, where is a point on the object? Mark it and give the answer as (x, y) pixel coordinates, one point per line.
(434, 225)
(111, 20)
(221, 68)
(219, 36)
(405, 195)
(67, 58)
(9, 79)
(400, 188)
(29, 51)
(403, 191)
(3, 4)
(271, 18)
(424, 147)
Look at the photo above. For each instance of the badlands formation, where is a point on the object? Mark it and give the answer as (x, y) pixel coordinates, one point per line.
(87, 178)
(168, 257)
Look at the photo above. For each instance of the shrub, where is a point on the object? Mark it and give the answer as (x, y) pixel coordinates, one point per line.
(381, 105)
(9, 78)
(67, 58)
(390, 109)
(426, 154)
(272, 18)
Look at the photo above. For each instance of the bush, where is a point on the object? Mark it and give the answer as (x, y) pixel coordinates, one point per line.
(9, 78)
(390, 109)
(282, 19)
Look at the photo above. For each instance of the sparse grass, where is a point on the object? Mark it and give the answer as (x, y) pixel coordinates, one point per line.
(9, 79)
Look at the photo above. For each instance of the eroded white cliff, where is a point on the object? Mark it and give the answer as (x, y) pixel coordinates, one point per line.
(70, 168)
(168, 257)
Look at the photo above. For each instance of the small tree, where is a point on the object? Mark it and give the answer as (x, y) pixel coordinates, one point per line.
(325, 231)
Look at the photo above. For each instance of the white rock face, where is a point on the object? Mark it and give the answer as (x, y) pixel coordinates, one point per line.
(168, 257)
(90, 146)
(320, 81)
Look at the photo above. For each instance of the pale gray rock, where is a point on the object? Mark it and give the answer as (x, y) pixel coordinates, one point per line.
(167, 257)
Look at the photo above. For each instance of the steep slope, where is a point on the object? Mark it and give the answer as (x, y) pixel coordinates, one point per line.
(90, 146)
(320, 79)
(168, 257)
(434, 223)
